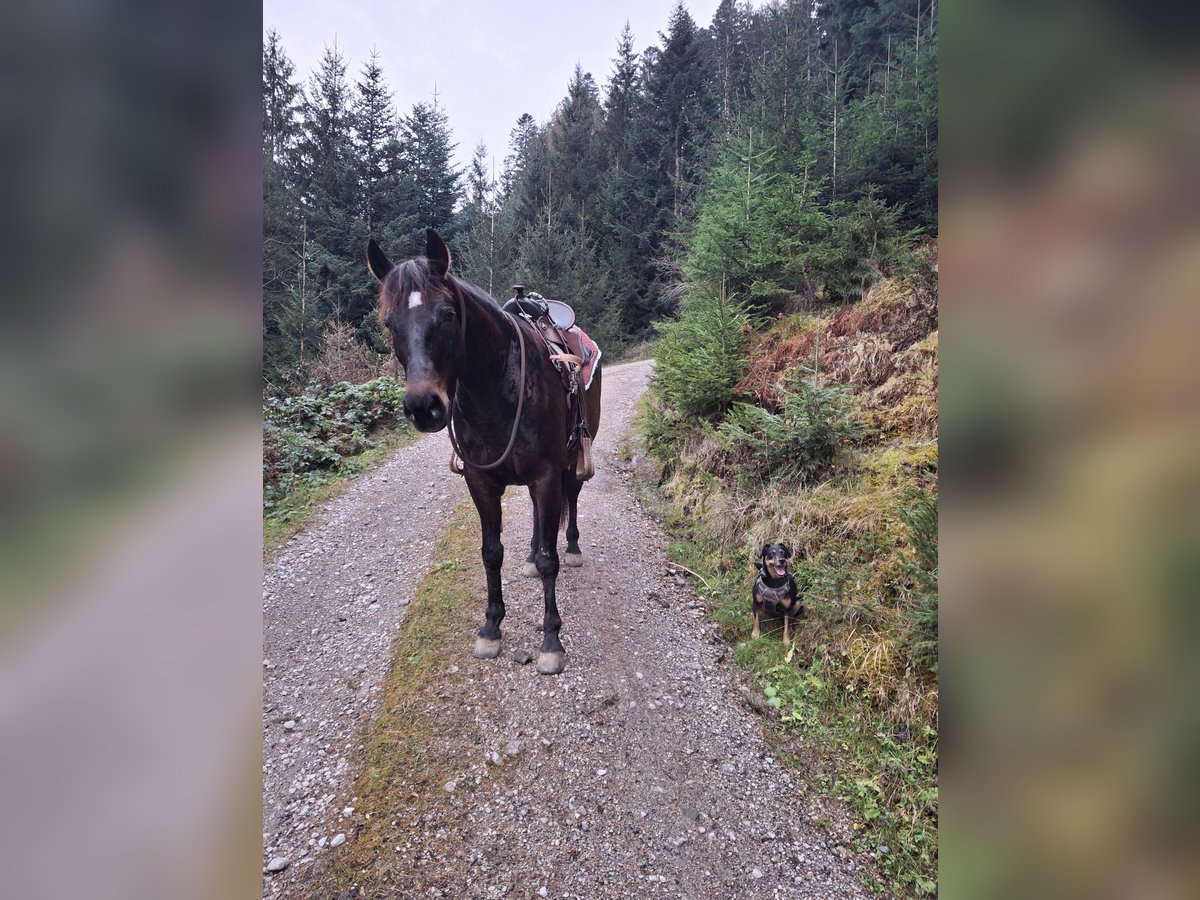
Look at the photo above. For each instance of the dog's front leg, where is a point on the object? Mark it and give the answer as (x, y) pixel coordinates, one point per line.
(787, 631)
(757, 610)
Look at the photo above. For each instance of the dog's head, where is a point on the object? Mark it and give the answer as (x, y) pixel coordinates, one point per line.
(774, 559)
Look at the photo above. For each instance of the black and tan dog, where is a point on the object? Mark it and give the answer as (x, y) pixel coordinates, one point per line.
(775, 589)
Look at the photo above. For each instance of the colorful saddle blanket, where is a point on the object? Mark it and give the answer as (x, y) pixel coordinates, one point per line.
(586, 349)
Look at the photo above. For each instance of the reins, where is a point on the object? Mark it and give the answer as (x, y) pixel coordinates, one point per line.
(512, 438)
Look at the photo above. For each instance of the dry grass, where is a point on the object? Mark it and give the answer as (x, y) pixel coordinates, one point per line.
(874, 663)
(884, 347)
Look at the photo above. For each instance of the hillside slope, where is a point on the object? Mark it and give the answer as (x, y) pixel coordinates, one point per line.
(841, 464)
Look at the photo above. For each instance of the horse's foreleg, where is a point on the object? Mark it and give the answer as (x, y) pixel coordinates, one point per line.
(529, 569)
(571, 487)
(487, 502)
(553, 658)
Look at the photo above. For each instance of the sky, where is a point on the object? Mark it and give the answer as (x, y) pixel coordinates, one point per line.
(489, 61)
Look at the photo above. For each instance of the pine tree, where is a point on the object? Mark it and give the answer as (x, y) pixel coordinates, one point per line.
(679, 110)
(758, 224)
(281, 225)
(329, 191)
(477, 222)
(574, 149)
(730, 35)
(429, 149)
(373, 120)
(620, 97)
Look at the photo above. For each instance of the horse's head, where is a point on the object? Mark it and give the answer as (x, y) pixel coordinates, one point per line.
(419, 305)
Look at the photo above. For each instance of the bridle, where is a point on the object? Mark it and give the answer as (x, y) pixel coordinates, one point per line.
(512, 438)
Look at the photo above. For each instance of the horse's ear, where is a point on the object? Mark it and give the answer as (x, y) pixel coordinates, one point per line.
(377, 260)
(437, 252)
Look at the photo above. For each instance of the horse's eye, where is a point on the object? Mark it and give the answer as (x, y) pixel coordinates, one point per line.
(445, 314)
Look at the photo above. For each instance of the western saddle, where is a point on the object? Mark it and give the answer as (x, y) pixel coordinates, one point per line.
(554, 321)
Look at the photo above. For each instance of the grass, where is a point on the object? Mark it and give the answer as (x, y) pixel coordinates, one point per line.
(294, 511)
(413, 747)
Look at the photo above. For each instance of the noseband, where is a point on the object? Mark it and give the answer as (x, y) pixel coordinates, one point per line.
(512, 438)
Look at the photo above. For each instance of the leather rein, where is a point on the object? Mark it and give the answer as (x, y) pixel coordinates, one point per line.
(512, 438)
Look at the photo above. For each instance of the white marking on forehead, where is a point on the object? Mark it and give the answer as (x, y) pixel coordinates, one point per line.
(414, 299)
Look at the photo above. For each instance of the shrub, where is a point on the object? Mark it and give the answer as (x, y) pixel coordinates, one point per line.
(699, 360)
(799, 443)
(311, 435)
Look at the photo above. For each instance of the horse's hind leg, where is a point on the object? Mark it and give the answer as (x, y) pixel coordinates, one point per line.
(571, 488)
(487, 502)
(553, 658)
(529, 569)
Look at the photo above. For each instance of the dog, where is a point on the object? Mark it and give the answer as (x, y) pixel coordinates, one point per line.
(775, 589)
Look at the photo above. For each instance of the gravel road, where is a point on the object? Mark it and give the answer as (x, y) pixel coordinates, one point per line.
(637, 772)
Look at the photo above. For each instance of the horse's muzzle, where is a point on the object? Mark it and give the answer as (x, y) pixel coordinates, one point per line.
(427, 410)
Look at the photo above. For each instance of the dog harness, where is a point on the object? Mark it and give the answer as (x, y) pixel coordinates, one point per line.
(772, 598)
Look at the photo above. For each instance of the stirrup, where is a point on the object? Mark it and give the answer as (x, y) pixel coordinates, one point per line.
(584, 467)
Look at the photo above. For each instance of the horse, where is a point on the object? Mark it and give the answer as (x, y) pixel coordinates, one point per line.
(485, 374)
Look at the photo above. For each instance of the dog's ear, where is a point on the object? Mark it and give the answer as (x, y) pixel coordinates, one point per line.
(762, 554)
(787, 551)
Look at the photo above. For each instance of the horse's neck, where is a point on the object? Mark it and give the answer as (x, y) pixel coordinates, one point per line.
(490, 334)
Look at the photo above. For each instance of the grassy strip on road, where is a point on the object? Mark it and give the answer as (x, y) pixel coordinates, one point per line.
(422, 738)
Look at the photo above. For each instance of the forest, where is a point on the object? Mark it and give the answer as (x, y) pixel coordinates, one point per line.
(787, 150)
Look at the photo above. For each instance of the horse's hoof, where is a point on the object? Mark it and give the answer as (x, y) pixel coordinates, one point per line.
(552, 663)
(529, 570)
(486, 648)
(574, 560)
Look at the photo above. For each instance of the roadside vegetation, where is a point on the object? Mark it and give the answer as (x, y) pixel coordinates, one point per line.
(822, 434)
(333, 419)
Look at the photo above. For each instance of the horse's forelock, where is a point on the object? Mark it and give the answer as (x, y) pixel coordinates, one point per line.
(408, 276)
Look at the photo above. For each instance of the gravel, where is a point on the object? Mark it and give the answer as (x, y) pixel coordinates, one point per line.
(637, 772)
(333, 600)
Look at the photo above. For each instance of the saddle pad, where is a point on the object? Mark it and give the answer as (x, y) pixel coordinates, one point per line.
(587, 350)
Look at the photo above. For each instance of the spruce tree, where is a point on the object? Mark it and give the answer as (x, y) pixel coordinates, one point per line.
(281, 222)
(373, 122)
(429, 148)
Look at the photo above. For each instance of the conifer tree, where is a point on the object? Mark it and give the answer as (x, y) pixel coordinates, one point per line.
(429, 149)
(373, 121)
(620, 97)
(281, 222)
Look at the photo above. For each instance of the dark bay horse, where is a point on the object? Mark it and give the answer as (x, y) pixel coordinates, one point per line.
(487, 374)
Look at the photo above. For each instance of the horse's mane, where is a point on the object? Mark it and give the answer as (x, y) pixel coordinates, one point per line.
(479, 294)
(414, 275)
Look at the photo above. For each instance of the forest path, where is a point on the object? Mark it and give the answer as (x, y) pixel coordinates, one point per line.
(637, 772)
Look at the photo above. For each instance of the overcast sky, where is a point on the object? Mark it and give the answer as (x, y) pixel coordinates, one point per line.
(490, 60)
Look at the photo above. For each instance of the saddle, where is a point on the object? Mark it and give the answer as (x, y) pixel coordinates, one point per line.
(572, 352)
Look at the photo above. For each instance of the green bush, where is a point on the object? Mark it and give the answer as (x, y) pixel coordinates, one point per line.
(865, 242)
(801, 442)
(699, 359)
(311, 436)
